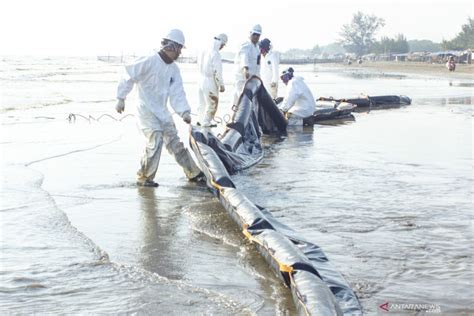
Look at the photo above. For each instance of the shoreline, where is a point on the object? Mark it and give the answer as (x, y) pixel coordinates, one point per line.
(463, 71)
(104, 235)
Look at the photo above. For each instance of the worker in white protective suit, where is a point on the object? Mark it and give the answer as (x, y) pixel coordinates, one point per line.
(270, 61)
(298, 102)
(211, 81)
(247, 61)
(158, 79)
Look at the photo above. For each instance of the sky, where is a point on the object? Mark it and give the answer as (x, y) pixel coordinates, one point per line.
(94, 27)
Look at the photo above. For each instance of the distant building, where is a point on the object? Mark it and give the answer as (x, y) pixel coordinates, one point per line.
(466, 57)
(401, 57)
(460, 57)
(463, 57)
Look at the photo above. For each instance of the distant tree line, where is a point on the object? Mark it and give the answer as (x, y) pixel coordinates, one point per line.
(424, 46)
(386, 45)
(358, 37)
(465, 38)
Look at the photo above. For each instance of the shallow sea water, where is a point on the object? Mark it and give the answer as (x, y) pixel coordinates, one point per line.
(388, 197)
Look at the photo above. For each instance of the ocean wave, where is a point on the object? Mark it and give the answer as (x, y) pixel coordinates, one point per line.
(7, 108)
(68, 266)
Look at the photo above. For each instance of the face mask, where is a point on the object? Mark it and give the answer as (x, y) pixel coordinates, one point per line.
(286, 77)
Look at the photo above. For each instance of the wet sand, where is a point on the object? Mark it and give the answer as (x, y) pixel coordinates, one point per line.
(463, 71)
(387, 206)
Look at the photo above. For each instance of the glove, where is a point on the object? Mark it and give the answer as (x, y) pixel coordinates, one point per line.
(187, 118)
(273, 84)
(120, 107)
(222, 88)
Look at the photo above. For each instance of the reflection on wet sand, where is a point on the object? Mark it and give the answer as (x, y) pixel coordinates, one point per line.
(187, 244)
(460, 100)
(158, 229)
(461, 84)
(372, 75)
(468, 100)
(341, 121)
(300, 134)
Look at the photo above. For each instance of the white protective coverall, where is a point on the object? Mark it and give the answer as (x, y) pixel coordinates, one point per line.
(210, 80)
(298, 102)
(269, 72)
(157, 81)
(248, 56)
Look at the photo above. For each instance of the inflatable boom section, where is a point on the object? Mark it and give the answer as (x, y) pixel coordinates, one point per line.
(382, 101)
(316, 286)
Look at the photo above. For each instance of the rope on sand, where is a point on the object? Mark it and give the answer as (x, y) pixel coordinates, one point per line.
(72, 117)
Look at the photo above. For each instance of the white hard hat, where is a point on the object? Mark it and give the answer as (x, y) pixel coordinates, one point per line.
(222, 37)
(257, 29)
(176, 36)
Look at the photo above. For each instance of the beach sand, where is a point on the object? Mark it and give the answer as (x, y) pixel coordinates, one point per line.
(463, 71)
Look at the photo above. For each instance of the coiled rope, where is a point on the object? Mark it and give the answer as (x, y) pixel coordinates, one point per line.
(72, 117)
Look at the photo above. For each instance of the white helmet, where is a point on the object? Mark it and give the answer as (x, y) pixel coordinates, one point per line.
(222, 37)
(176, 36)
(257, 29)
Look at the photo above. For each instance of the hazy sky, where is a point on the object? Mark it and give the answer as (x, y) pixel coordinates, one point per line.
(94, 27)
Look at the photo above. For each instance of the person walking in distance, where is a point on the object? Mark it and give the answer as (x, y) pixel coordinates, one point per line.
(211, 81)
(269, 68)
(247, 61)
